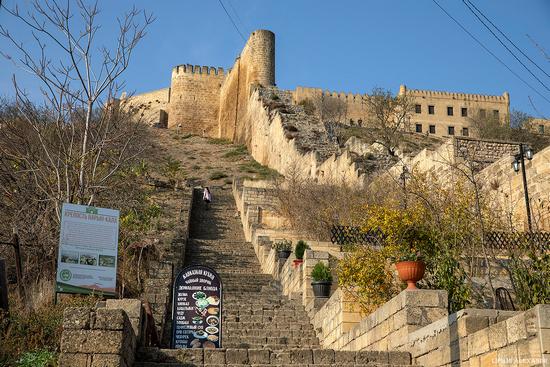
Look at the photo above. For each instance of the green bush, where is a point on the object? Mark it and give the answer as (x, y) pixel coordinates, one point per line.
(530, 277)
(300, 249)
(28, 338)
(38, 358)
(445, 272)
(321, 273)
(283, 245)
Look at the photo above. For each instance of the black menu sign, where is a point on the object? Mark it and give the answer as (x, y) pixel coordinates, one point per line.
(197, 309)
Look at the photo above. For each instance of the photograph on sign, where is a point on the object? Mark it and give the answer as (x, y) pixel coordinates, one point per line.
(197, 309)
(88, 249)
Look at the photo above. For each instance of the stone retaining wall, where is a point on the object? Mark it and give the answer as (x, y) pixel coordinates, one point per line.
(484, 338)
(105, 336)
(158, 287)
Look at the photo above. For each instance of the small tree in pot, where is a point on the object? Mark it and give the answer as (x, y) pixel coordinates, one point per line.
(299, 251)
(322, 280)
(283, 248)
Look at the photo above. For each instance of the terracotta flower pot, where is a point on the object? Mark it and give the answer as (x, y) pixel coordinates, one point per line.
(410, 272)
(298, 262)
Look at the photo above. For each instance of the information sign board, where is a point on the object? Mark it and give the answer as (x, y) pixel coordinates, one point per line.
(88, 247)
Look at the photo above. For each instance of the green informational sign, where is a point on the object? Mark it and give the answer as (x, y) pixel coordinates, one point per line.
(88, 248)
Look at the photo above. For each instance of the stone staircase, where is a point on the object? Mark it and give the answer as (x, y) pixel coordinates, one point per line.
(261, 327)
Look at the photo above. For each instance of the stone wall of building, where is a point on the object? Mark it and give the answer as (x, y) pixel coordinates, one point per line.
(195, 99)
(507, 186)
(255, 66)
(357, 108)
(441, 101)
(152, 105)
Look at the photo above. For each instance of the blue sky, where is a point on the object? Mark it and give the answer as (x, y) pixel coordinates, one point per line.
(349, 46)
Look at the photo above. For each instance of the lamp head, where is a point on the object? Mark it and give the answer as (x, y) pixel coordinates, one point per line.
(515, 165)
(528, 153)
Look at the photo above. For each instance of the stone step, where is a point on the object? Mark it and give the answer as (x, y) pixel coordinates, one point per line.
(257, 325)
(262, 356)
(277, 333)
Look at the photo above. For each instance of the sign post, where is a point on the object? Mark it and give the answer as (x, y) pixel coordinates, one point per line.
(88, 249)
(197, 309)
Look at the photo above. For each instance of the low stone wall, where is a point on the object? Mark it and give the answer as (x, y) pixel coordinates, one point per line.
(337, 316)
(483, 338)
(105, 336)
(158, 287)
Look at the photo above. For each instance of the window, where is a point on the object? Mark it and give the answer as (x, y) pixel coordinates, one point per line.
(482, 113)
(418, 128)
(432, 129)
(449, 111)
(495, 114)
(431, 110)
(451, 130)
(464, 111)
(418, 108)
(541, 129)
(465, 131)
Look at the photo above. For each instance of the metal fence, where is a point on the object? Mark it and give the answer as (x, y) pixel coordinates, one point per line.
(348, 235)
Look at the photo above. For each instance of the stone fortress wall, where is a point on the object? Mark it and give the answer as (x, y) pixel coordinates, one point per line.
(208, 101)
(153, 105)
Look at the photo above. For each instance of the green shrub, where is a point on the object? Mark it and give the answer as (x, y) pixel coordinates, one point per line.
(283, 245)
(367, 274)
(446, 273)
(321, 273)
(530, 278)
(38, 358)
(300, 249)
(28, 337)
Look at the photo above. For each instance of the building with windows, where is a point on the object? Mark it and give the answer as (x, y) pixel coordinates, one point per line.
(435, 113)
(449, 114)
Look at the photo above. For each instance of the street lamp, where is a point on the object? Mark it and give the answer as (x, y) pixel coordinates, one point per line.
(519, 160)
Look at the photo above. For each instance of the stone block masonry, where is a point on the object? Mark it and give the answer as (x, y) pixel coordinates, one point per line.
(158, 287)
(102, 336)
(484, 338)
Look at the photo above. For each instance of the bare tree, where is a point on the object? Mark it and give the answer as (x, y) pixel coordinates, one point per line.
(388, 115)
(329, 108)
(86, 77)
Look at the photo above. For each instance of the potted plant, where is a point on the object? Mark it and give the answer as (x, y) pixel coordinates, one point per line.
(322, 280)
(283, 248)
(299, 251)
(410, 268)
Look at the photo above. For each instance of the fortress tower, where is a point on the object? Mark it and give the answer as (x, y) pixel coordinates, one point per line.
(205, 100)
